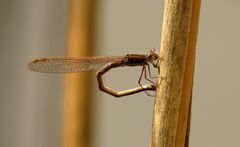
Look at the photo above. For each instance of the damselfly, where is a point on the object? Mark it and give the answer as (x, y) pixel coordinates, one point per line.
(71, 65)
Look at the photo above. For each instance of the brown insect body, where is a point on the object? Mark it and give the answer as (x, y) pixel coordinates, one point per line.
(134, 60)
(71, 65)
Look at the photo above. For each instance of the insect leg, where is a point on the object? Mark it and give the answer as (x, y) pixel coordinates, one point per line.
(140, 79)
(149, 73)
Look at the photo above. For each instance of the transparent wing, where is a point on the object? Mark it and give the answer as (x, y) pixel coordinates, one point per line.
(70, 65)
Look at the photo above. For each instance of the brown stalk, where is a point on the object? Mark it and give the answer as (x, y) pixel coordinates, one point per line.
(77, 94)
(171, 120)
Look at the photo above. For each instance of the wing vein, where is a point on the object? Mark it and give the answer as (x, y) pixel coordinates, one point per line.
(70, 65)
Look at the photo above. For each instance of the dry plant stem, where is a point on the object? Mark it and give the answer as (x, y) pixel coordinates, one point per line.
(183, 129)
(174, 46)
(77, 98)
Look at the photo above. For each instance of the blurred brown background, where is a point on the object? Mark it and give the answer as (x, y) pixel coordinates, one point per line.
(31, 103)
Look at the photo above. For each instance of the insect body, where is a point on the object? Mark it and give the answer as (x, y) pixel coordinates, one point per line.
(71, 65)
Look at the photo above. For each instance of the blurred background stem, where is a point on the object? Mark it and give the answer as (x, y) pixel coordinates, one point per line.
(77, 90)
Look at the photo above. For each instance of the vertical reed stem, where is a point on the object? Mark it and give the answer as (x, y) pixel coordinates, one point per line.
(183, 129)
(172, 104)
(77, 94)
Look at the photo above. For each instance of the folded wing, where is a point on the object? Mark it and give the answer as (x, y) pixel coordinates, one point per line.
(70, 65)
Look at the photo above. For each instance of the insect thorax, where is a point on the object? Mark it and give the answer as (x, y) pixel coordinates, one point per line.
(135, 59)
